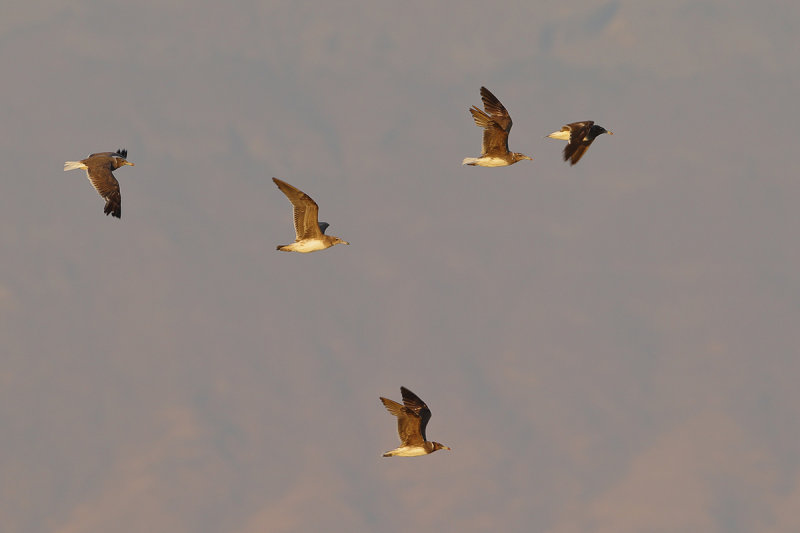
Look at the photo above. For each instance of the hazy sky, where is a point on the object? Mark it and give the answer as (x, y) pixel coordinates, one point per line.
(607, 348)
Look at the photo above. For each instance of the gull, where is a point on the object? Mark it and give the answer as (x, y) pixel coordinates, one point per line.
(98, 169)
(309, 231)
(496, 126)
(580, 135)
(412, 418)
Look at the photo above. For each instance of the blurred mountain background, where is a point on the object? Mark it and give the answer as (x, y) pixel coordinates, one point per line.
(607, 348)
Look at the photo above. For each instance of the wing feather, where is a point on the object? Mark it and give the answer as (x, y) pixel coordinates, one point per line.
(496, 124)
(414, 404)
(304, 209)
(578, 143)
(408, 423)
(106, 185)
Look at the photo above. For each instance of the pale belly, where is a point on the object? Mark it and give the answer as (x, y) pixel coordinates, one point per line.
(486, 161)
(407, 451)
(305, 247)
(560, 135)
(492, 162)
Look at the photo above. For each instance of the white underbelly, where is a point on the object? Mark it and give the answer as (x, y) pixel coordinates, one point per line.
(307, 246)
(492, 162)
(408, 451)
(485, 161)
(560, 135)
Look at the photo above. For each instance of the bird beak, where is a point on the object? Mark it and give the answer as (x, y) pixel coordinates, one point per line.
(446, 448)
(129, 163)
(610, 132)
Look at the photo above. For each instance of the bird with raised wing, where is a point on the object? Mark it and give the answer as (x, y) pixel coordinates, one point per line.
(309, 231)
(99, 169)
(496, 124)
(412, 419)
(579, 136)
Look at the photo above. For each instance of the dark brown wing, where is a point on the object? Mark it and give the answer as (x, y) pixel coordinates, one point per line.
(575, 153)
(408, 423)
(495, 140)
(496, 124)
(306, 211)
(101, 154)
(578, 143)
(414, 404)
(496, 110)
(98, 168)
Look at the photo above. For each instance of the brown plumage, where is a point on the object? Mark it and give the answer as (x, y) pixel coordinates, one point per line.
(496, 127)
(579, 136)
(412, 420)
(99, 169)
(309, 231)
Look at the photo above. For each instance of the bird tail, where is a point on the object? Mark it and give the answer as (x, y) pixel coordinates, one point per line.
(560, 135)
(469, 161)
(73, 165)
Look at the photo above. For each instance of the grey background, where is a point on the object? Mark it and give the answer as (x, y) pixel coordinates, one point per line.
(608, 348)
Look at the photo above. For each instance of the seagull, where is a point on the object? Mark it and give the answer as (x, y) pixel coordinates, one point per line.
(580, 136)
(310, 233)
(412, 418)
(496, 126)
(98, 170)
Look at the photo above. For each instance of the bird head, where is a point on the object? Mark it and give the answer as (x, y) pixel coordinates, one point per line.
(520, 157)
(439, 446)
(120, 161)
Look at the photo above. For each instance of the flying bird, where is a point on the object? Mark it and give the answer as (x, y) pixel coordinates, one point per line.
(496, 126)
(98, 170)
(412, 419)
(309, 231)
(580, 135)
